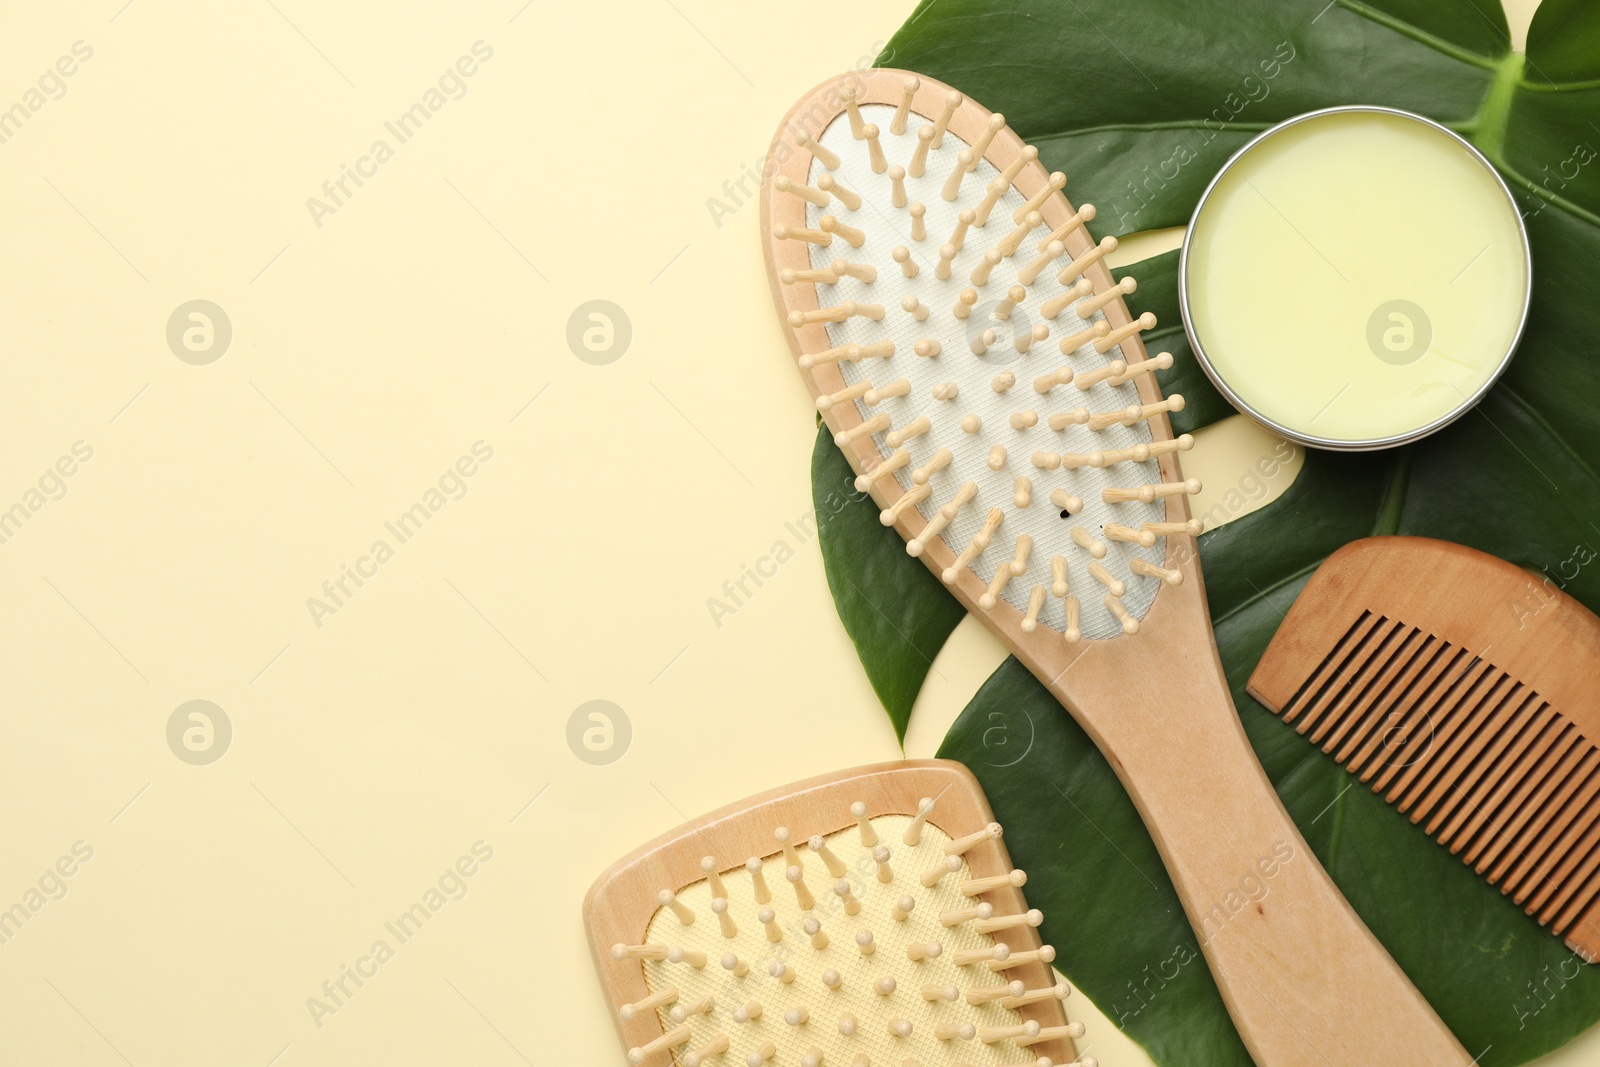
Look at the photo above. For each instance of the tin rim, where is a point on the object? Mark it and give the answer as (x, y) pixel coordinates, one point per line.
(1373, 443)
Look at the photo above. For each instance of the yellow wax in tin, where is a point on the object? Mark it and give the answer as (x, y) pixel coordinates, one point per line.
(1356, 276)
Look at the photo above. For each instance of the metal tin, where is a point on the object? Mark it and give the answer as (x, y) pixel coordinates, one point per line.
(1335, 444)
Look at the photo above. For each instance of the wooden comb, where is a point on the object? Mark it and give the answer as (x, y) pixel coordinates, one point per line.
(974, 359)
(1462, 689)
(879, 921)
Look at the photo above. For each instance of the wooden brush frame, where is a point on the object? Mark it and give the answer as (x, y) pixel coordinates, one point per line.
(622, 902)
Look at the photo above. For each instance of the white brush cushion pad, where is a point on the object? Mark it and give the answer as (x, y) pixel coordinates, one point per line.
(887, 226)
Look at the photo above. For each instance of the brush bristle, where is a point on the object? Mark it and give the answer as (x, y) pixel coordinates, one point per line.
(868, 945)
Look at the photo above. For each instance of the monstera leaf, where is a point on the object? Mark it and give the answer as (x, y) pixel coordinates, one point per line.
(1140, 103)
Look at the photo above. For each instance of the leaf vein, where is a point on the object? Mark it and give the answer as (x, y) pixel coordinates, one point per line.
(1422, 37)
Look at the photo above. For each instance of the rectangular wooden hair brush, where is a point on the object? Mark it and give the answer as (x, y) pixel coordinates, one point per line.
(877, 922)
(1462, 689)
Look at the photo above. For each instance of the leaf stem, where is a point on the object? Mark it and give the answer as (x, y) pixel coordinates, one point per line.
(1489, 128)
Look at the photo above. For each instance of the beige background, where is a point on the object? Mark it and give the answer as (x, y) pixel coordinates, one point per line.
(428, 712)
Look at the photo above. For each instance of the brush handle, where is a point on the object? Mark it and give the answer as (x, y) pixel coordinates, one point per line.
(1303, 978)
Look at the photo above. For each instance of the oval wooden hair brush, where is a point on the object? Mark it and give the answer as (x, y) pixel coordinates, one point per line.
(975, 361)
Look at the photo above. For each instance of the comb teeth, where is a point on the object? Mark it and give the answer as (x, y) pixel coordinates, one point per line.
(1471, 754)
(901, 983)
(973, 288)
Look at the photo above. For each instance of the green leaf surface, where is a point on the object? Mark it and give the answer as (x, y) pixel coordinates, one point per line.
(1110, 910)
(1564, 42)
(1068, 821)
(892, 606)
(1140, 103)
